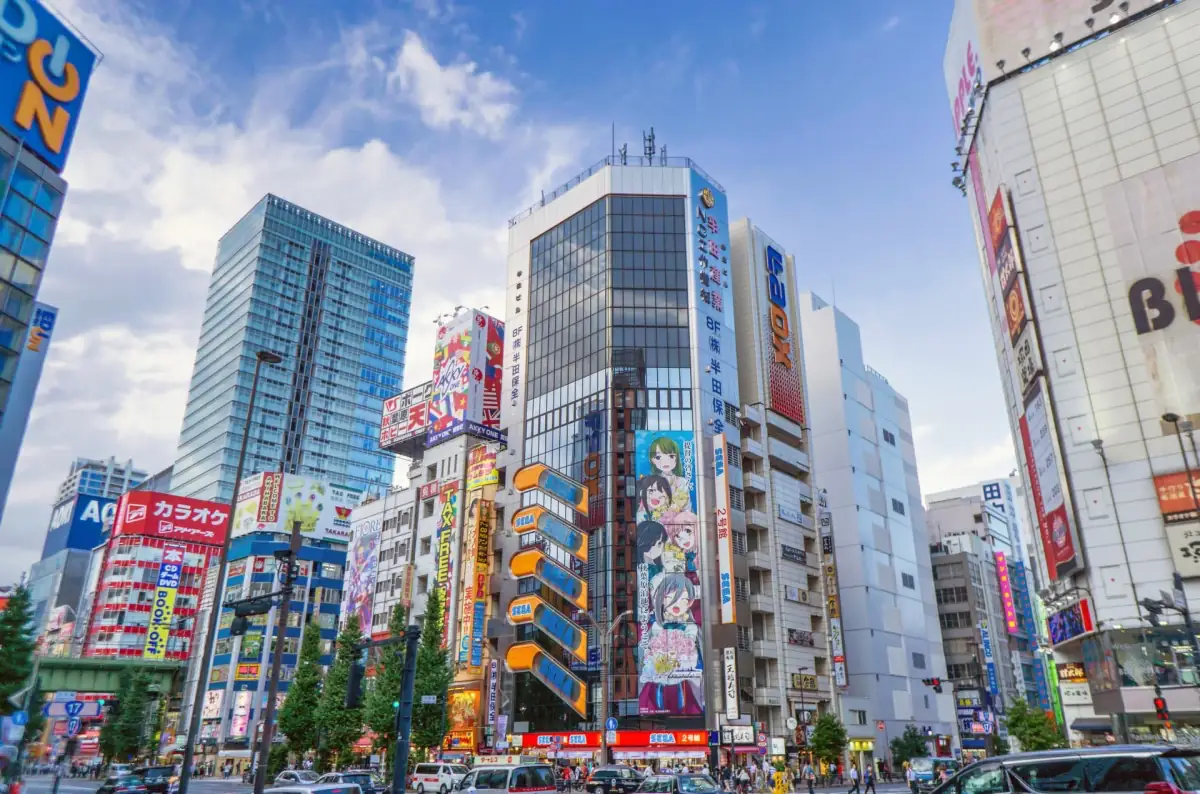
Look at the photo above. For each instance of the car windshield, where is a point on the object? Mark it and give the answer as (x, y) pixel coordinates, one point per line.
(922, 766)
(459, 770)
(697, 784)
(129, 780)
(602, 773)
(305, 776)
(1185, 769)
(363, 779)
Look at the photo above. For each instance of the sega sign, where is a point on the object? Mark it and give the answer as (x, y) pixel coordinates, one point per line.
(44, 73)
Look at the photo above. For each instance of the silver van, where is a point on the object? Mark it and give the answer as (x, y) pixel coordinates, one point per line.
(1118, 769)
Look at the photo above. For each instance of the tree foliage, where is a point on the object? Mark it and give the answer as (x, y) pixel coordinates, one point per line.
(342, 726)
(910, 744)
(298, 717)
(16, 646)
(828, 741)
(1032, 728)
(128, 732)
(433, 678)
(380, 714)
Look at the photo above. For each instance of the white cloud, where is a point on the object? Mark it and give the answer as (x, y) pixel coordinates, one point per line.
(454, 94)
(943, 464)
(891, 24)
(155, 182)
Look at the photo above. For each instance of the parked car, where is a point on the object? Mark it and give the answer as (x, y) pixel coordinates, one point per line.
(314, 788)
(1117, 769)
(157, 779)
(616, 778)
(120, 769)
(365, 779)
(304, 777)
(679, 784)
(438, 778)
(508, 778)
(122, 784)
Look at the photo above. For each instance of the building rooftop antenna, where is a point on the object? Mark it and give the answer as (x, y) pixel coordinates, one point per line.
(648, 147)
(624, 152)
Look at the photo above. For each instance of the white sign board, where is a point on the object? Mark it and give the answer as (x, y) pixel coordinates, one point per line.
(732, 709)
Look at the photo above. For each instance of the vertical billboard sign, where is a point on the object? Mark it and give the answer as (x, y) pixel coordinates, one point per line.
(362, 571)
(725, 593)
(671, 677)
(1006, 593)
(162, 611)
(733, 710)
(715, 357)
(1155, 223)
(468, 360)
(45, 73)
(447, 521)
(1038, 437)
(24, 387)
(833, 603)
(482, 478)
(989, 661)
(785, 392)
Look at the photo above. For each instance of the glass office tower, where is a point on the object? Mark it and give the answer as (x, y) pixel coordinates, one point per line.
(335, 304)
(621, 371)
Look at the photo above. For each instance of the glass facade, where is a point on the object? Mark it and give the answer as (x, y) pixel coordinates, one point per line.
(335, 304)
(32, 197)
(608, 355)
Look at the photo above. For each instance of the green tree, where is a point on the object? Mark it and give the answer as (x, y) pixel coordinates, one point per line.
(433, 678)
(910, 744)
(342, 726)
(16, 647)
(110, 743)
(277, 760)
(1032, 728)
(380, 714)
(828, 741)
(298, 717)
(1000, 746)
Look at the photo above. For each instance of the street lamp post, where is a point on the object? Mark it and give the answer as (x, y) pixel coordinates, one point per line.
(605, 654)
(210, 636)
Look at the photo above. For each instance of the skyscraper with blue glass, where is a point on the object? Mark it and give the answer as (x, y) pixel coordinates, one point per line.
(334, 304)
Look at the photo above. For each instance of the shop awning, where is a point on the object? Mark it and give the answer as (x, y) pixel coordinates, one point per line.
(1094, 724)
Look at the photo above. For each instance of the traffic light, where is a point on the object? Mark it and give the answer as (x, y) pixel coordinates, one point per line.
(239, 626)
(936, 683)
(354, 685)
(253, 606)
(395, 704)
(1160, 709)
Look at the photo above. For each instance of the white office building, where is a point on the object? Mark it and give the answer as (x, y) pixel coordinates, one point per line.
(863, 449)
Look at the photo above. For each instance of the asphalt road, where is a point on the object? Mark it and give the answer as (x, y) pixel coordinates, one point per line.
(44, 784)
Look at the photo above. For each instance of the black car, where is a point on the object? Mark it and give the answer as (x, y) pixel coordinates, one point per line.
(122, 784)
(366, 780)
(679, 784)
(157, 779)
(614, 779)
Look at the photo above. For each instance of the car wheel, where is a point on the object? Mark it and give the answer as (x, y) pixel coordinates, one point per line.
(442, 790)
(420, 788)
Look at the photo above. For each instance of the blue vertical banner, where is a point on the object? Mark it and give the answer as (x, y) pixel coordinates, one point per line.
(715, 363)
(985, 642)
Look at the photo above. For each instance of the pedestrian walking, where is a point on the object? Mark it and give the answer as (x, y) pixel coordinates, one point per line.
(809, 775)
(910, 775)
(853, 779)
(869, 780)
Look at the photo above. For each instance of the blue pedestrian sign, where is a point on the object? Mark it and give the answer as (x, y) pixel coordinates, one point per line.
(20, 717)
(610, 724)
(73, 726)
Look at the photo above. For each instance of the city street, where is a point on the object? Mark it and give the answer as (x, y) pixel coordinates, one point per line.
(43, 784)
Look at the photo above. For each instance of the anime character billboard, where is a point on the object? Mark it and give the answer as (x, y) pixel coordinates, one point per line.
(671, 666)
(362, 570)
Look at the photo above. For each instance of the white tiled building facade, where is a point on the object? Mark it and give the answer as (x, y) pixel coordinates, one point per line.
(1060, 138)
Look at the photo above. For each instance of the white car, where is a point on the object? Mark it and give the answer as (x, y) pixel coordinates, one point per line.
(438, 778)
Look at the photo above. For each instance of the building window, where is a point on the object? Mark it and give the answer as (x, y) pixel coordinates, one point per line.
(898, 506)
(889, 438)
(858, 717)
(955, 620)
(422, 585)
(908, 581)
(426, 546)
(741, 589)
(733, 455)
(737, 499)
(918, 660)
(731, 414)
(427, 508)
(957, 671)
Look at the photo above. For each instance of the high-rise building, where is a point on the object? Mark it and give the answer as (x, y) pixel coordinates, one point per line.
(621, 370)
(1077, 148)
(20, 397)
(40, 110)
(795, 669)
(86, 499)
(863, 448)
(334, 304)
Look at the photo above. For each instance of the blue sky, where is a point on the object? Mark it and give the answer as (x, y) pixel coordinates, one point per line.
(429, 123)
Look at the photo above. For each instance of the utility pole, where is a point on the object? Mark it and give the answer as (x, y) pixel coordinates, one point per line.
(286, 562)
